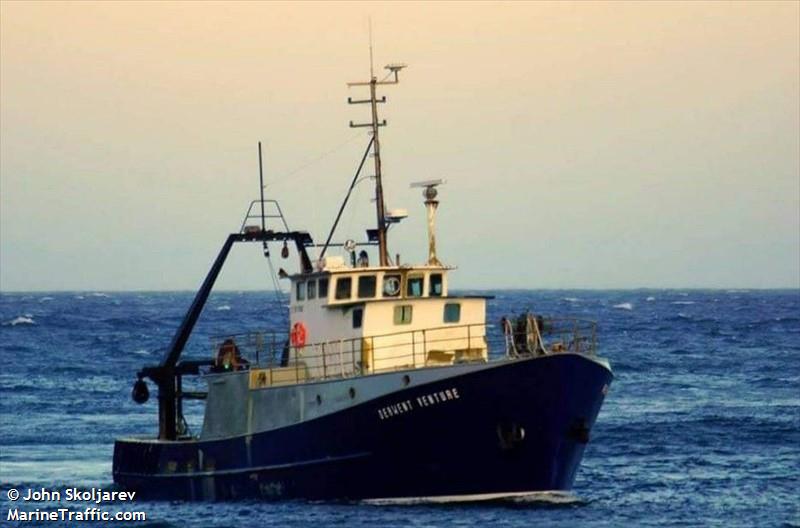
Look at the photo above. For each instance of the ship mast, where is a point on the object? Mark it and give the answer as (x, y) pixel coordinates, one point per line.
(375, 124)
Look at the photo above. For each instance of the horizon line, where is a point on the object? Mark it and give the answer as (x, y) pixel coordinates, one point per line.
(241, 290)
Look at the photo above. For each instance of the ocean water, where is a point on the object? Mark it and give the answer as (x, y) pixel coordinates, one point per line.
(701, 426)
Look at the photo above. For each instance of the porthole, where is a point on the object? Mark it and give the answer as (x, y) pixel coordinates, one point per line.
(391, 285)
(319, 399)
(406, 380)
(352, 392)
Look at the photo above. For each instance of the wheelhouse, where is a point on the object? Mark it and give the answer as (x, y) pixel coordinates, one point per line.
(382, 318)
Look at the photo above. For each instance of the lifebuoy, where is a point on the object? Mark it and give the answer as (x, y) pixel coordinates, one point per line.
(298, 334)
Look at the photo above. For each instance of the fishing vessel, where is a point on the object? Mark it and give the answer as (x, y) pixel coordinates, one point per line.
(384, 386)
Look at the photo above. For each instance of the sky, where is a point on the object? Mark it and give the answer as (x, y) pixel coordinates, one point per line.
(584, 144)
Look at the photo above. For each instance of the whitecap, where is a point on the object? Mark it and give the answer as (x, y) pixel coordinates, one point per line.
(624, 306)
(682, 302)
(526, 497)
(80, 297)
(650, 299)
(223, 308)
(142, 352)
(570, 299)
(21, 320)
(45, 299)
(99, 294)
(548, 497)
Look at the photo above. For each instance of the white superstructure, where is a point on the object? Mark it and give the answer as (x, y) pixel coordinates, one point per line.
(382, 318)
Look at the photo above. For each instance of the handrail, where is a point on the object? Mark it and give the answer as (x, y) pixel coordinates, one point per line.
(551, 326)
(436, 346)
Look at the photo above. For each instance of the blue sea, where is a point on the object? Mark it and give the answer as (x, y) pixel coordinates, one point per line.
(701, 426)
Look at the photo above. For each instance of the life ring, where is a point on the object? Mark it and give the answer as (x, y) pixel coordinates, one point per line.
(298, 334)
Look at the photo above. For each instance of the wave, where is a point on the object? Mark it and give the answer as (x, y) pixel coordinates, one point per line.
(650, 299)
(534, 498)
(223, 308)
(26, 319)
(142, 352)
(682, 302)
(624, 306)
(570, 299)
(45, 299)
(99, 294)
(549, 498)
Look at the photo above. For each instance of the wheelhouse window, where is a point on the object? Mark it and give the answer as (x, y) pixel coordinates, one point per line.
(391, 285)
(436, 285)
(311, 290)
(452, 312)
(323, 288)
(366, 286)
(414, 286)
(402, 314)
(358, 317)
(301, 291)
(344, 286)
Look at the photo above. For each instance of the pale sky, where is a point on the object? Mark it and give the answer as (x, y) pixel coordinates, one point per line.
(585, 145)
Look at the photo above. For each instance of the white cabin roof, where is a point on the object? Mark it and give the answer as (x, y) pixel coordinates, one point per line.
(336, 269)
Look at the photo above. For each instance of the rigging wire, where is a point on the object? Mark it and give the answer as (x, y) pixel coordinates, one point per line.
(347, 197)
(322, 156)
(279, 295)
(315, 160)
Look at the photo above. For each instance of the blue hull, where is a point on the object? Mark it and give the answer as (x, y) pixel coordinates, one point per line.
(518, 427)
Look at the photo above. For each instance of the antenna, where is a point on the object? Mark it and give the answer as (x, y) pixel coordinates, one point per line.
(261, 191)
(261, 186)
(371, 63)
(376, 146)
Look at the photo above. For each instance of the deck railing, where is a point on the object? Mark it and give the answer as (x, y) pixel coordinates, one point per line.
(278, 362)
